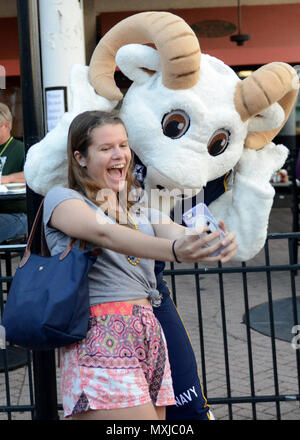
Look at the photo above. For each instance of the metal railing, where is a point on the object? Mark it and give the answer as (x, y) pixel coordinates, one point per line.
(268, 269)
(13, 358)
(205, 295)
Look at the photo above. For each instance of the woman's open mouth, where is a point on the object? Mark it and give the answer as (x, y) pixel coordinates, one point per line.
(117, 172)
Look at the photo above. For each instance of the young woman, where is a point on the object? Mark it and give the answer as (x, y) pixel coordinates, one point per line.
(121, 369)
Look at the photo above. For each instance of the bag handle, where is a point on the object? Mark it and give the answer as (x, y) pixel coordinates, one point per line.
(27, 252)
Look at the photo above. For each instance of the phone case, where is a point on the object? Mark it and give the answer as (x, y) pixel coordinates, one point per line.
(200, 216)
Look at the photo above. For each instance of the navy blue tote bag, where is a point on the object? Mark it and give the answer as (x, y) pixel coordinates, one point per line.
(48, 303)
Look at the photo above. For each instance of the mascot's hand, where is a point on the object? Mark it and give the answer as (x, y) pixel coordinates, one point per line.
(259, 165)
(84, 97)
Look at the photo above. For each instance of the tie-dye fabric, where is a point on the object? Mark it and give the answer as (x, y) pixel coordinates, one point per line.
(123, 362)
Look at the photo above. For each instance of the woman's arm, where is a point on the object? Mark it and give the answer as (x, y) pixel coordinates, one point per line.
(77, 220)
(13, 178)
(166, 228)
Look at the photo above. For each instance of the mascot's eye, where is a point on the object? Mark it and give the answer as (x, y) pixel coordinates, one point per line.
(175, 124)
(218, 142)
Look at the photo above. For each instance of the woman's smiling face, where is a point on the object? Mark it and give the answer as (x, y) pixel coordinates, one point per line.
(108, 156)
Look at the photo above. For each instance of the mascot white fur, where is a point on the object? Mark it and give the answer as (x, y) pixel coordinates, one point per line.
(189, 118)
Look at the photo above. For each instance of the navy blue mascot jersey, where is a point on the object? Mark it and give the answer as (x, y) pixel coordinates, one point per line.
(191, 404)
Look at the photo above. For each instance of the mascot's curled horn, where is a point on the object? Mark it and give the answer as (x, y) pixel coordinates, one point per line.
(189, 118)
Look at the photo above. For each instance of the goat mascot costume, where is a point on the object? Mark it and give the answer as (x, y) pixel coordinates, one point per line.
(191, 122)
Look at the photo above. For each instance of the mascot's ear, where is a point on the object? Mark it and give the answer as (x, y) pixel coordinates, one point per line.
(138, 62)
(273, 83)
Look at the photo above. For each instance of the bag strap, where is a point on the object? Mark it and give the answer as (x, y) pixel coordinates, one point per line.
(27, 252)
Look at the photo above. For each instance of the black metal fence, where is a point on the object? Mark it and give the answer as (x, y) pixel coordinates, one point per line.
(243, 362)
(285, 264)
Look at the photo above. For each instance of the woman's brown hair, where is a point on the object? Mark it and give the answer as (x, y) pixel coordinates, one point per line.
(79, 139)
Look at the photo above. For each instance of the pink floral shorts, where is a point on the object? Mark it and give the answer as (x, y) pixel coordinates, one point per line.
(122, 362)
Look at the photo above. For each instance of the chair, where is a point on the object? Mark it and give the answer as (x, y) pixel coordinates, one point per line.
(8, 255)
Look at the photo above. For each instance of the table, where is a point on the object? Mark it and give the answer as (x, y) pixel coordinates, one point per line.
(13, 195)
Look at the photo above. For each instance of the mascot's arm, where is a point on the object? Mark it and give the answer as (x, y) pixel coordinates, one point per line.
(246, 207)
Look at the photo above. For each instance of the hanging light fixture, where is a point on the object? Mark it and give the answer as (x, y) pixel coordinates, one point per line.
(240, 38)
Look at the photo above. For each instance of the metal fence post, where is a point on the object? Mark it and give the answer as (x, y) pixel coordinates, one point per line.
(32, 98)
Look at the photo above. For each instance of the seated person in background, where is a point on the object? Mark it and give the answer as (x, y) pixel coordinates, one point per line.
(13, 218)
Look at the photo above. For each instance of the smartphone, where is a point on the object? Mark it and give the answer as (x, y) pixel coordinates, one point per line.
(200, 216)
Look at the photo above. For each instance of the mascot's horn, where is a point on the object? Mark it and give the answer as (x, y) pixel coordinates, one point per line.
(174, 39)
(274, 82)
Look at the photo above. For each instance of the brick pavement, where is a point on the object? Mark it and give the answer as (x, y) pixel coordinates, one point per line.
(280, 221)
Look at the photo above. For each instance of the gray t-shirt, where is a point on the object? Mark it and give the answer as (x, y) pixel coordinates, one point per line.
(112, 277)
